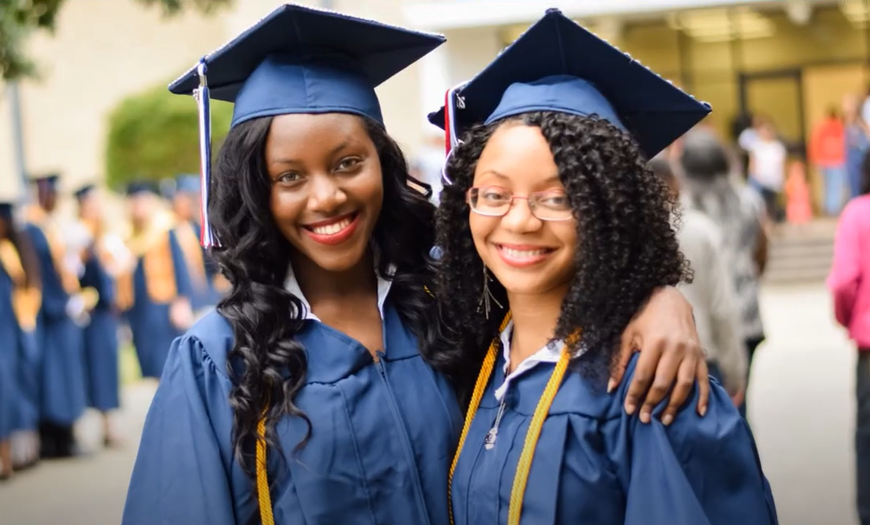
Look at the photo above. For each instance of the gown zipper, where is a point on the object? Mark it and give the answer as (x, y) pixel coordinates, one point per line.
(406, 440)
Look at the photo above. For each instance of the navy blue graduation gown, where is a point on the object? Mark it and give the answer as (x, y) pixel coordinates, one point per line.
(61, 375)
(202, 294)
(153, 332)
(101, 339)
(595, 465)
(27, 413)
(383, 435)
(9, 391)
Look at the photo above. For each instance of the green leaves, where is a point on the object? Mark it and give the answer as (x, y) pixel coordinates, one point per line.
(155, 135)
(20, 18)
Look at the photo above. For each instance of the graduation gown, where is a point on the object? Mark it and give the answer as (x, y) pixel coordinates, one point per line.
(9, 385)
(28, 366)
(195, 257)
(19, 358)
(160, 277)
(101, 337)
(383, 435)
(61, 372)
(596, 465)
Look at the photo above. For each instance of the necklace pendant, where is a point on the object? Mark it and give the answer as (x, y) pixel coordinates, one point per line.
(489, 440)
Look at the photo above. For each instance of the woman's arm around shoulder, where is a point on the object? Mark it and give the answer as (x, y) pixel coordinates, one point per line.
(696, 471)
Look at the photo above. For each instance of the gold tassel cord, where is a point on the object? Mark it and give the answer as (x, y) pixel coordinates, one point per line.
(265, 499)
(524, 464)
(521, 478)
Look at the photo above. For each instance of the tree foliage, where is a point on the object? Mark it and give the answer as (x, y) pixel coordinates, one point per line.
(155, 134)
(21, 18)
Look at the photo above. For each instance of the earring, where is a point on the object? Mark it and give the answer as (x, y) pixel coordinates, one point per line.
(487, 295)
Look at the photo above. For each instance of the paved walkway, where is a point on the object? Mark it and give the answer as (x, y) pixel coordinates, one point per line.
(801, 406)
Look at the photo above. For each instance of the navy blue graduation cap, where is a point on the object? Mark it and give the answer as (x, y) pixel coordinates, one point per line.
(83, 192)
(557, 65)
(142, 186)
(46, 182)
(187, 184)
(6, 210)
(299, 60)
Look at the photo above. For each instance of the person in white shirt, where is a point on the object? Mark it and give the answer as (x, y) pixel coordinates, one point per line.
(767, 158)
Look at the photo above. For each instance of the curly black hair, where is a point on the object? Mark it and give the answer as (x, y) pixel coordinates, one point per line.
(626, 244)
(267, 365)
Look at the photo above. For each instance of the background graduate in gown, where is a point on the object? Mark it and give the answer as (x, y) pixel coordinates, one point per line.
(64, 310)
(20, 297)
(104, 257)
(20, 281)
(156, 295)
(551, 196)
(186, 205)
(326, 245)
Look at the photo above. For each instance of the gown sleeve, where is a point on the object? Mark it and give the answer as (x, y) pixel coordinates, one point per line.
(180, 475)
(182, 277)
(697, 471)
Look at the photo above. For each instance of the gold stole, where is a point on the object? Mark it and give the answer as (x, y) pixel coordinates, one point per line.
(153, 247)
(25, 300)
(40, 219)
(190, 246)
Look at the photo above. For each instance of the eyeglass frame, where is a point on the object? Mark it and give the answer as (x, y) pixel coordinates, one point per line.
(510, 205)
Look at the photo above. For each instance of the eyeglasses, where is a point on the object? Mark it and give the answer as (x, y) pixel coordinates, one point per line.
(493, 201)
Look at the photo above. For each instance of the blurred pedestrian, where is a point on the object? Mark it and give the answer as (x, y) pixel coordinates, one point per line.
(767, 157)
(710, 189)
(711, 291)
(849, 283)
(827, 151)
(798, 209)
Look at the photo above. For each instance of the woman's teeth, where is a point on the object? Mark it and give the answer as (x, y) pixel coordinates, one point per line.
(523, 254)
(332, 229)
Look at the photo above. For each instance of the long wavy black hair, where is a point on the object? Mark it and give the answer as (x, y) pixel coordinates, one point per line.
(267, 364)
(626, 244)
(20, 239)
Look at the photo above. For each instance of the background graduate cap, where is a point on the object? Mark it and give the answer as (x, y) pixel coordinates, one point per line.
(299, 60)
(46, 181)
(142, 186)
(557, 65)
(83, 191)
(6, 210)
(187, 184)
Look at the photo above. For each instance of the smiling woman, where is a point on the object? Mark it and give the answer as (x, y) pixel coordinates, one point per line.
(551, 196)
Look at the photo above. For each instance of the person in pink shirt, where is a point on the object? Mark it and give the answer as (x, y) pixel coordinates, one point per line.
(849, 282)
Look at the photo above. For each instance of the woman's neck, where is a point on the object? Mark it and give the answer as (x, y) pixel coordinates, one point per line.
(535, 317)
(322, 286)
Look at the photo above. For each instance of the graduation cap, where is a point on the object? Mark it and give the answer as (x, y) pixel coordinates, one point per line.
(557, 65)
(142, 186)
(46, 182)
(83, 192)
(6, 210)
(187, 183)
(299, 60)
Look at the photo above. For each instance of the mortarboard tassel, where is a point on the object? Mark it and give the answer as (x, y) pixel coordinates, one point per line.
(201, 95)
(451, 139)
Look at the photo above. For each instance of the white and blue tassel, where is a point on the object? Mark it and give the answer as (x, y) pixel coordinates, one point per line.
(201, 95)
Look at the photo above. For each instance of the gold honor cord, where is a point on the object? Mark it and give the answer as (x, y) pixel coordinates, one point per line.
(524, 465)
(263, 495)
